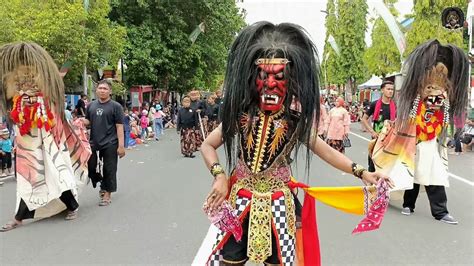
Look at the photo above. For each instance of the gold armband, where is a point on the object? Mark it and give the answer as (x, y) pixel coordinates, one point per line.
(358, 170)
(216, 169)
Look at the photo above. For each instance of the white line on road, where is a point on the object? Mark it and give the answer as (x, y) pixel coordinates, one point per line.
(464, 180)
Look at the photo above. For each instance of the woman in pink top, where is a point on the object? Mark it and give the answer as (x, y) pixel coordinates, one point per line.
(337, 125)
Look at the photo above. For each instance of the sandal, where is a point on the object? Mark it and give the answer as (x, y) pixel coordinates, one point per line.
(71, 215)
(101, 193)
(9, 226)
(105, 202)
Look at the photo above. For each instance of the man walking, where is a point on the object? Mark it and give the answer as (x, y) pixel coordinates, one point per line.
(105, 117)
(380, 110)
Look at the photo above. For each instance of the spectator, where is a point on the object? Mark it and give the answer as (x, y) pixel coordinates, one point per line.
(144, 121)
(158, 117)
(337, 126)
(126, 128)
(81, 106)
(6, 148)
(468, 138)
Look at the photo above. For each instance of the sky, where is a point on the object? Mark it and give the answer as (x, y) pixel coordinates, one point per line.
(306, 13)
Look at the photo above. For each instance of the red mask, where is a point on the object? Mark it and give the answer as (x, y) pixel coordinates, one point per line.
(271, 84)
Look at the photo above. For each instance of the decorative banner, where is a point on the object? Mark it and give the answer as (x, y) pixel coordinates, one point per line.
(65, 68)
(392, 25)
(200, 28)
(333, 44)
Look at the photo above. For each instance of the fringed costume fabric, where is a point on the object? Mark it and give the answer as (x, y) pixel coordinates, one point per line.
(413, 150)
(51, 154)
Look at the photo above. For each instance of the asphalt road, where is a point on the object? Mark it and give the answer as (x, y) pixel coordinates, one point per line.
(155, 218)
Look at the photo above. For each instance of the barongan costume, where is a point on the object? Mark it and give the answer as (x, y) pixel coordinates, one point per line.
(413, 151)
(51, 154)
(271, 68)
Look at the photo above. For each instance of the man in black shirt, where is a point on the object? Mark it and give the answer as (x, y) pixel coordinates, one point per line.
(105, 117)
(380, 110)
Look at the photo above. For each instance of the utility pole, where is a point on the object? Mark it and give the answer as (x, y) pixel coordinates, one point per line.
(84, 74)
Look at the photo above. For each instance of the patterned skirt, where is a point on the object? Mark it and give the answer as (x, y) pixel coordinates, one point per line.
(188, 141)
(198, 137)
(211, 125)
(338, 145)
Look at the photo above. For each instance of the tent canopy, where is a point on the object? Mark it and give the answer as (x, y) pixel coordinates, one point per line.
(374, 83)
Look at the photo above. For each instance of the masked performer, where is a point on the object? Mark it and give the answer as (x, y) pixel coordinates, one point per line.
(270, 69)
(414, 150)
(51, 154)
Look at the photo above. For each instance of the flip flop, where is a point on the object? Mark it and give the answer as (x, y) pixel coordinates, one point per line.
(9, 226)
(104, 202)
(71, 215)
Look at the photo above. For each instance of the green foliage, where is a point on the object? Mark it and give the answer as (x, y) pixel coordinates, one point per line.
(427, 24)
(65, 30)
(159, 51)
(118, 89)
(350, 34)
(329, 62)
(383, 57)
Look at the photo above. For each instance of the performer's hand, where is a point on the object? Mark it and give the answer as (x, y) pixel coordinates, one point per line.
(121, 151)
(374, 134)
(372, 178)
(218, 192)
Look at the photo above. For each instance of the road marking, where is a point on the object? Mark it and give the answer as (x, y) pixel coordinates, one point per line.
(464, 180)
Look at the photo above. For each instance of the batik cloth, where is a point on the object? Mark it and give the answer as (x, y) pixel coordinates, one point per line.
(188, 141)
(211, 125)
(338, 145)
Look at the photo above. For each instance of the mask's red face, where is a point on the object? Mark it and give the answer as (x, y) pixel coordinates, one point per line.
(271, 86)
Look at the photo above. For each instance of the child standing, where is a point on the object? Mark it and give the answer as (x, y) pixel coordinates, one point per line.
(186, 126)
(158, 122)
(144, 124)
(6, 147)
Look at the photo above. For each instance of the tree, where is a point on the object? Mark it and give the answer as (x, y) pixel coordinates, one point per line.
(427, 24)
(350, 34)
(329, 65)
(383, 57)
(159, 51)
(65, 30)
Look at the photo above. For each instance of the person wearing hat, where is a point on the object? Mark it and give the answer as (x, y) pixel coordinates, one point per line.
(158, 116)
(6, 147)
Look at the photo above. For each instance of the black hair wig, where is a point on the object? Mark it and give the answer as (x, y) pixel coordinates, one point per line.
(420, 62)
(266, 40)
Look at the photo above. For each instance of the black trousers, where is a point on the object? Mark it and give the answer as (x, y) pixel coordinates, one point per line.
(66, 197)
(109, 156)
(457, 140)
(6, 160)
(371, 165)
(436, 196)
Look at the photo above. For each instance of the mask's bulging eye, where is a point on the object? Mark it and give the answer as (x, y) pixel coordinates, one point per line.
(263, 74)
(279, 76)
